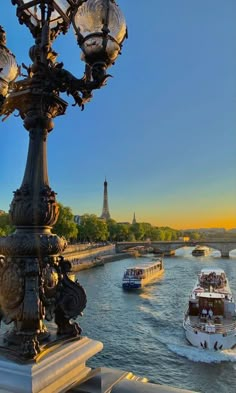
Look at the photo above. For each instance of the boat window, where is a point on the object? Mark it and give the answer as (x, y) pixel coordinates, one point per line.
(193, 308)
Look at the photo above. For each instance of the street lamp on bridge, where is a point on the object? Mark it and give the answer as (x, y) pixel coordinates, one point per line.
(34, 285)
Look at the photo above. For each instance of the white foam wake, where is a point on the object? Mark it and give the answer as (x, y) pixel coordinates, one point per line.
(201, 355)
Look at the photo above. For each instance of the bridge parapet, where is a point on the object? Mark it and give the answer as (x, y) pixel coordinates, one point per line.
(224, 246)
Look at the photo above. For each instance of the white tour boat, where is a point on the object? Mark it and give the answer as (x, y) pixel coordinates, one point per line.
(138, 276)
(201, 251)
(210, 320)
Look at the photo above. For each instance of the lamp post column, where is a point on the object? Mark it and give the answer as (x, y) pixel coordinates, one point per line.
(33, 275)
(37, 285)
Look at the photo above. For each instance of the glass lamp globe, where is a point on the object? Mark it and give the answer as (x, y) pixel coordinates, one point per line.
(34, 13)
(100, 27)
(8, 66)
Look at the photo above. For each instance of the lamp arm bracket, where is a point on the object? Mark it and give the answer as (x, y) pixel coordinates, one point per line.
(79, 89)
(53, 78)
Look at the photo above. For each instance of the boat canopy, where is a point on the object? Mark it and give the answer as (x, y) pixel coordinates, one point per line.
(211, 295)
(144, 266)
(142, 269)
(217, 271)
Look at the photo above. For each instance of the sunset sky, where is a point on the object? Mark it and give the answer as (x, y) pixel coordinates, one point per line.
(163, 130)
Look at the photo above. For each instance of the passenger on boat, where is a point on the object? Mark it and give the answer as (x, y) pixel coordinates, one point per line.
(204, 312)
(210, 313)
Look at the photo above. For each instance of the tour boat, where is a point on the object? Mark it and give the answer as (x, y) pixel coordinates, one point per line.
(210, 320)
(138, 276)
(201, 251)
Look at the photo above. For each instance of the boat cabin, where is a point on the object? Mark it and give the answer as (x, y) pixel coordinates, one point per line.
(207, 301)
(213, 301)
(144, 271)
(134, 272)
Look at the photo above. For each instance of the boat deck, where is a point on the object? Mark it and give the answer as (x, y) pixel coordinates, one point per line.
(217, 324)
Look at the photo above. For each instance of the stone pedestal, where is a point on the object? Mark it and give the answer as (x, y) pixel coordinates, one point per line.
(56, 370)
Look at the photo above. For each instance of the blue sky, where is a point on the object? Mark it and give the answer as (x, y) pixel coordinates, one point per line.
(163, 129)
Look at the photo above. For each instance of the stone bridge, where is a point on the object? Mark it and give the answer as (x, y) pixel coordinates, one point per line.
(224, 246)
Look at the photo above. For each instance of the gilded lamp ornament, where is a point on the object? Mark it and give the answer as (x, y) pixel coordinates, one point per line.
(34, 281)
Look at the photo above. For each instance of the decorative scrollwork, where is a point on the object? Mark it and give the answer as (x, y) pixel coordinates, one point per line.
(12, 289)
(48, 81)
(26, 244)
(24, 212)
(70, 303)
(30, 346)
(32, 289)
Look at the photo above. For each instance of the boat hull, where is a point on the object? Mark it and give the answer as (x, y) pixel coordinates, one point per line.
(131, 284)
(212, 341)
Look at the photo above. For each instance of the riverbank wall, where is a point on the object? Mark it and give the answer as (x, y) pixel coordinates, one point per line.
(85, 252)
(87, 258)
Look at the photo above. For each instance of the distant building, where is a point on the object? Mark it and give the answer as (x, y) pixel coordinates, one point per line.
(207, 230)
(134, 220)
(213, 230)
(184, 238)
(233, 230)
(105, 210)
(2, 212)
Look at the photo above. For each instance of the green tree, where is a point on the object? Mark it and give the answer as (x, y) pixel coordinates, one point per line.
(160, 234)
(102, 231)
(112, 229)
(155, 234)
(169, 234)
(6, 228)
(131, 237)
(195, 236)
(123, 232)
(138, 230)
(92, 228)
(65, 225)
(120, 231)
(147, 229)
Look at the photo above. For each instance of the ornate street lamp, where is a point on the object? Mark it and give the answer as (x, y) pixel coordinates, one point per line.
(34, 285)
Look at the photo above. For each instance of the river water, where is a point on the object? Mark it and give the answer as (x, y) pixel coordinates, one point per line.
(142, 330)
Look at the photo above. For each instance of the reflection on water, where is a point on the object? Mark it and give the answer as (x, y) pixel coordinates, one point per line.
(145, 294)
(142, 330)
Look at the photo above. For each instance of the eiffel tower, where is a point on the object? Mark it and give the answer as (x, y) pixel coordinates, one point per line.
(105, 210)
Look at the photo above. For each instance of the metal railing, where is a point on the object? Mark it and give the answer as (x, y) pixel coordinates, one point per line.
(227, 329)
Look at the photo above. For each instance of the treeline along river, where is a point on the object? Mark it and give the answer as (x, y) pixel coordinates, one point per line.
(142, 330)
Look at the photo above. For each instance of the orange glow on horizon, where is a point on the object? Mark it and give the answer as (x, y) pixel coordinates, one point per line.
(192, 223)
(229, 224)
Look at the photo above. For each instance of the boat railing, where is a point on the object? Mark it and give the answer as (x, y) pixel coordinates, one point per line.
(225, 329)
